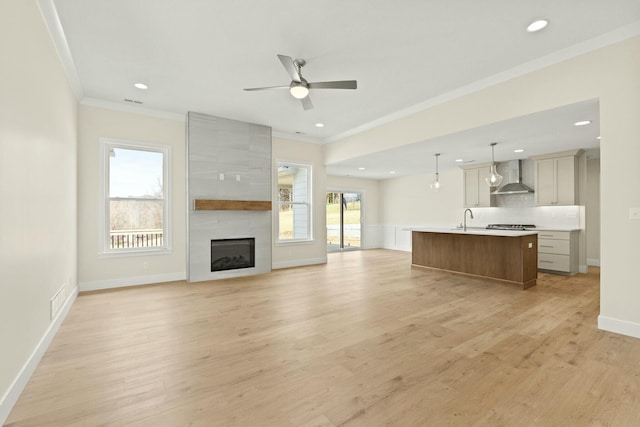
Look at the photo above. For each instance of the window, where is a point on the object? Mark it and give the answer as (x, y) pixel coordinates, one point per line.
(294, 202)
(135, 205)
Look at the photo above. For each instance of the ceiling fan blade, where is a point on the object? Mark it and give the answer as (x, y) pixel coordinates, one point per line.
(342, 84)
(269, 87)
(306, 103)
(288, 64)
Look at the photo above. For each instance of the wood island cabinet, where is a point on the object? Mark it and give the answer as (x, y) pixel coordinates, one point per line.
(511, 257)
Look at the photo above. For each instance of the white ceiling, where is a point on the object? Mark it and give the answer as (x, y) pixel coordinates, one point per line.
(198, 55)
(549, 131)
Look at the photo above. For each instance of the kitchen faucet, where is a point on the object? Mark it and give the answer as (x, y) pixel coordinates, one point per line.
(464, 220)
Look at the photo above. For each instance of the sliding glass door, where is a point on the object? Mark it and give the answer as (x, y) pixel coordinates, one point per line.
(343, 221)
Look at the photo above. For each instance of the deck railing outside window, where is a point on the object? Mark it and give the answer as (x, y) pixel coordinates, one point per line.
(136, 239)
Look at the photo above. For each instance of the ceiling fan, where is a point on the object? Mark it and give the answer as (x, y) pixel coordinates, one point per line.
(299, 87)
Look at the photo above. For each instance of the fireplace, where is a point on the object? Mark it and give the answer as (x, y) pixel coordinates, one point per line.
(233, 254)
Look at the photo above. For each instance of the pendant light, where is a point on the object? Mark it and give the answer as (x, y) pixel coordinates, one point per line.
(494, 179)
(435, 185)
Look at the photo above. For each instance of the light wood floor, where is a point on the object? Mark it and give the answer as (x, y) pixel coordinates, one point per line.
(364, 341)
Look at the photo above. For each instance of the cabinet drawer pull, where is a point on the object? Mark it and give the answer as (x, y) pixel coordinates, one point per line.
(547, 246)
(548, 262)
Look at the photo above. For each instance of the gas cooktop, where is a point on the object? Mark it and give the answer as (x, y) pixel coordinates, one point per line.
(510, 226)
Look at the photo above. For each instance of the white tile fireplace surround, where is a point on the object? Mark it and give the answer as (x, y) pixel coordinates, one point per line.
(227, 160)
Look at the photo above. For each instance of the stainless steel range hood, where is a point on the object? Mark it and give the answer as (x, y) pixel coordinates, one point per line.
(514, 185)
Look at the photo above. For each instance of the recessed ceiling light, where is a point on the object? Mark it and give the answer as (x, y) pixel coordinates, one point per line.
(598, 137)
(360, 169)
(392, 172)
(519, 150)
(141, 86)
(582, 122)
(537, 25)
(459, 160)
(319, 125)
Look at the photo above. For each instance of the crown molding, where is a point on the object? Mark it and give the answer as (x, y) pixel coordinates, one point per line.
(135, 109)
(607, 39)
(295, 137)
(52, 21)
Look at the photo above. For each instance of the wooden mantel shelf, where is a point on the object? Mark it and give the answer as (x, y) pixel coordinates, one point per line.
(231, 205)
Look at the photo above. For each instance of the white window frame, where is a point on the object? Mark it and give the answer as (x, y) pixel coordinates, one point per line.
(308, 203)
(106, 144)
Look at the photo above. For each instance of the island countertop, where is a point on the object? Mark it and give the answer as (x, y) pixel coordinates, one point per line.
(480, 231)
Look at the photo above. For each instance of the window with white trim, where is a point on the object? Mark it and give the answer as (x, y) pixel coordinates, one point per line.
(294, 202)
(135, 197)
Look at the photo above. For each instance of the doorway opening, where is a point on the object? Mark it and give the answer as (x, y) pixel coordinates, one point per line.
(344, 221)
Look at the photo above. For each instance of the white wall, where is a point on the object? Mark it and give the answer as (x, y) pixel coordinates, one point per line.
(99, 272)
(105, 271)
(315, 252)
(38, 250)
(372, 230)
(409, 202)
(609, 74)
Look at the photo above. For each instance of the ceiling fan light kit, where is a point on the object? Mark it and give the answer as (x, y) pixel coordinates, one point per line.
(299, 87)
(299, 90)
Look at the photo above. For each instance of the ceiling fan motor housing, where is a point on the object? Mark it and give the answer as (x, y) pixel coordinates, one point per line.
(299, 63)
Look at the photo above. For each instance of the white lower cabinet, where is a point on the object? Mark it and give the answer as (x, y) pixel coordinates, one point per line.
(558, 251)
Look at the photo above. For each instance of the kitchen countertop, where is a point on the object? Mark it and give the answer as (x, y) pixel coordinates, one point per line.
(478, 231)
(557, 229)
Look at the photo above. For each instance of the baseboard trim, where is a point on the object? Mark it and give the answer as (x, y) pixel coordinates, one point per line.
(299, 263)
(98, 285)
(618, 326)
(19, 383)
(394, 248)
(593, 262)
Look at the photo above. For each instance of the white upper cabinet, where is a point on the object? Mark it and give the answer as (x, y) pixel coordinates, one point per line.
(556, 180)
(476, 191)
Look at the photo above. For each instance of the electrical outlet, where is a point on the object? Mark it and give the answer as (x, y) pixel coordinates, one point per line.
(221, 176)
(145, 265)
(237, 177)
(634, 213)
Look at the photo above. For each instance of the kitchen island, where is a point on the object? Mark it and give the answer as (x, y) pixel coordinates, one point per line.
(508, 256)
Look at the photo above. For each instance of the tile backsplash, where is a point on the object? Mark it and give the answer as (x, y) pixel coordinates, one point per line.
(521, 208)
(540, 216)
(514, 200)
